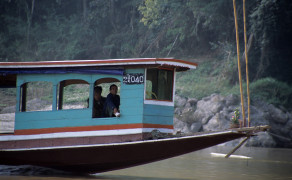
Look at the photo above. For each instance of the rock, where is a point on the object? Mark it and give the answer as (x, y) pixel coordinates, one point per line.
(276, 115)
(214, 113)
(263, 139)
(232, 100)
(187, 116)
(192, 101)
(213, 103)
(180, 101)
(180, 126)
(213, 124)
(196, 127)
(208, 107)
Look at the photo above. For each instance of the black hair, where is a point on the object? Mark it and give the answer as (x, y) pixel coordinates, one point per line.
(112, 86)
(98, 89)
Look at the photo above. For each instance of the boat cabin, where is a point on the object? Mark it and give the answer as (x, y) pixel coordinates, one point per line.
(146, 88)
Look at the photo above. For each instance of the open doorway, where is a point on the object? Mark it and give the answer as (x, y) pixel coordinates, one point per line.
(102, 91)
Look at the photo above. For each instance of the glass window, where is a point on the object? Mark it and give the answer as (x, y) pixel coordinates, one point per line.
(36, 96)
(73, 94)
(159, 84)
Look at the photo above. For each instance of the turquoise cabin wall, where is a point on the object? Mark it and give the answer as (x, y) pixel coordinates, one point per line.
(133, 110)
(131, 104)
(132, 100)
(158, 114)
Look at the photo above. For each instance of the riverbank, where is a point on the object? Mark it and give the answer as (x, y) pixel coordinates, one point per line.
(214, 112)
(211, 113)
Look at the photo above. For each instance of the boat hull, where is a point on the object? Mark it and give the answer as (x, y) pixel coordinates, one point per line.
(105, 157)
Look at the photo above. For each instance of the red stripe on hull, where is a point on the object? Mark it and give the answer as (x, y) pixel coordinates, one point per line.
(89, 128)
(71, 141)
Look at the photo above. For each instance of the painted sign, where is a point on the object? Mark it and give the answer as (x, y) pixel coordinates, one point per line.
(131, 78)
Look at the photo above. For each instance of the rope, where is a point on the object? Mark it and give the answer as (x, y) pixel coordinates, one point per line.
(246, 65)
(278, 136)
(239, 66)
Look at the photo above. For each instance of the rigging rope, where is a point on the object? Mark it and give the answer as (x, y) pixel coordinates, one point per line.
(239, 66)
(246, 67)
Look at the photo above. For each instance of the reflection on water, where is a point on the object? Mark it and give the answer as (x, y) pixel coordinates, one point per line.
(264, 164)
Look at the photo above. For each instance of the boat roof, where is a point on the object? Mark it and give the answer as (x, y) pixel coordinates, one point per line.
(180, 65)
(9, 70)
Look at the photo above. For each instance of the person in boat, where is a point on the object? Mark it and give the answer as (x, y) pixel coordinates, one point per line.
(98, 102)
(112, 103)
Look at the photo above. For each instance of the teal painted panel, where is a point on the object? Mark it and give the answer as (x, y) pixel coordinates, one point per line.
(133, 93)
(133, 86)
(131, 102)
(78, 122)
(131, 105)
(48, 115)
(71, 118)
(157, 114)
(132, 111)
(164, 120)
(158, 110)
(142, 70)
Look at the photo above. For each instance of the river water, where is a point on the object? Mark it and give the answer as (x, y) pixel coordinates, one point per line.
(253, 164)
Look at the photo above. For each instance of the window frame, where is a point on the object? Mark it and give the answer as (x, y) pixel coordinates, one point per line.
(23, 97)
(101, 82)
(60, 92)
(157, 101)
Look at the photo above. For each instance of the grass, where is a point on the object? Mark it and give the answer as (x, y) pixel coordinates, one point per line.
(207, 79)
(213, 76)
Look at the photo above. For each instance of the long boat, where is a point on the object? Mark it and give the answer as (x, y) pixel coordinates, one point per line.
(73, 139)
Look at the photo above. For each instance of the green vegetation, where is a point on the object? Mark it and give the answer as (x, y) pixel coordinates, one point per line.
(210, 77)
(213, 78)
(272, 91)
(101, 29)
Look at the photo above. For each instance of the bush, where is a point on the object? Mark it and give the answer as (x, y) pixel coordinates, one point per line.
(272, 91)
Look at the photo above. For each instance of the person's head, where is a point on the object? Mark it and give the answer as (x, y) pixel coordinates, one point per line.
(97, 93)
(113, 89)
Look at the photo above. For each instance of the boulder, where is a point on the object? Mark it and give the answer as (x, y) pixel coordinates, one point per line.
(214, 113)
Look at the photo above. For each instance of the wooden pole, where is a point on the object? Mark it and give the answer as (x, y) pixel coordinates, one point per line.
(238, 146)
(246, 66)
(239, 66)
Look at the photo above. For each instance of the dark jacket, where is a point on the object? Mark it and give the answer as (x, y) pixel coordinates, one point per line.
(111, 102)
(98, 107)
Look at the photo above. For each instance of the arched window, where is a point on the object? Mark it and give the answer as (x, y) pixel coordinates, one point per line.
(36, 96)
(73, 94)
(99, 102)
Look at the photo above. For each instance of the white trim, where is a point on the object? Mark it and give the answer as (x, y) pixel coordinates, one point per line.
(145, 80)
(161, 61)
(161, 103)
(82, 134)
(176, 64)
(173, 85)
(120, 144)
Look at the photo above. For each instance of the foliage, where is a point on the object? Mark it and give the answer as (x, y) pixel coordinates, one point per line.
(204, 81)
(271, 22)
(98, 29)
(272, 91)
(235, 118)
